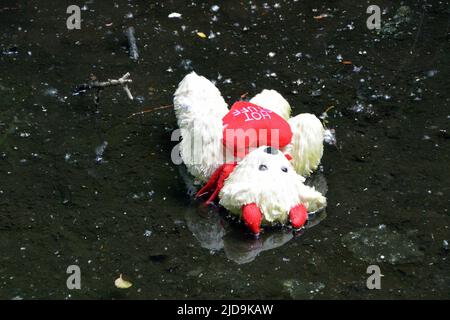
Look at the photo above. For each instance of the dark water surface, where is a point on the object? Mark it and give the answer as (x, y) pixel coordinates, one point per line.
(67, 197)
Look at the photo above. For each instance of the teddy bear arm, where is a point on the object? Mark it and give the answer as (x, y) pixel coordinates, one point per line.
(306, 146)
(311, 198)
(200, 107)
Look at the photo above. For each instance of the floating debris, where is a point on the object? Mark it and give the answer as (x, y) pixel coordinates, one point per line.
(357, 69)
(432, 73)
(121, 283)
(379, 244)
(329, 136)
(11, 51)
(51, 92)
(202, 35)
(316, 93)
(302, 290)
(321, 16)
(402, 17)
(132, 45)
(147, 233)
(186, 64)
(99, 151)
(98, 86)
(174, 15)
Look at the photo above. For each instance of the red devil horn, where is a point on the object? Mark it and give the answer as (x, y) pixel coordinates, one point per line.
(216, 181)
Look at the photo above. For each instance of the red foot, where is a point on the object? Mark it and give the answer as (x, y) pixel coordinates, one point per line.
(252, 217)
(298, 216)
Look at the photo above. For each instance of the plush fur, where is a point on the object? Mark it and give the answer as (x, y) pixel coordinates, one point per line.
(199, 108)
(272, 100)
(274, 191)
(306, 147)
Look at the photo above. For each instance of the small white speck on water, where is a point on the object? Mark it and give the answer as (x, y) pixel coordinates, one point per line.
(445, 244)
(174, 15)
(432, 73)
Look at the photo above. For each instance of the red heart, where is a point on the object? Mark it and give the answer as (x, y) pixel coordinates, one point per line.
(248, 126)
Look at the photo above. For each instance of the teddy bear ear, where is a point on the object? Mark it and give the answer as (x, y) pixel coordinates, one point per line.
(306, 147)
(274, 101)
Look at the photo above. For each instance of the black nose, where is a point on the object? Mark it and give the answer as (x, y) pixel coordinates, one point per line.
(271, 150)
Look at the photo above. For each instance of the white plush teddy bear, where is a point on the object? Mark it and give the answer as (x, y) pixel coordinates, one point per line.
(254, 157)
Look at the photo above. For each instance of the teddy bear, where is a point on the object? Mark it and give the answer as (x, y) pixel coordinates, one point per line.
(253, 157)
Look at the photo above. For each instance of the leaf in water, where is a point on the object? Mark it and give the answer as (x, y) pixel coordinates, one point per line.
(202, 35)
(122, 284)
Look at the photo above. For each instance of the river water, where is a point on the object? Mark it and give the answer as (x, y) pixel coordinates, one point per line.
(83, 184)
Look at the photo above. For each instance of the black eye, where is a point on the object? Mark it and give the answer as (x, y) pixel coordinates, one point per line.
(284, 169)
(262, 167)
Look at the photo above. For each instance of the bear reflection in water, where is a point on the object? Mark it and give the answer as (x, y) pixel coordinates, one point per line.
(212, 229)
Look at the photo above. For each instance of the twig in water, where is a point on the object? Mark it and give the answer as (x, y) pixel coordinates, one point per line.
(150, 110)
(244, 95)
(100, 85)
(132, 46)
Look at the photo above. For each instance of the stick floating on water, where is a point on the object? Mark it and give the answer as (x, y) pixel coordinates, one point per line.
(132, 45)
(100, 85)
(149, 110)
